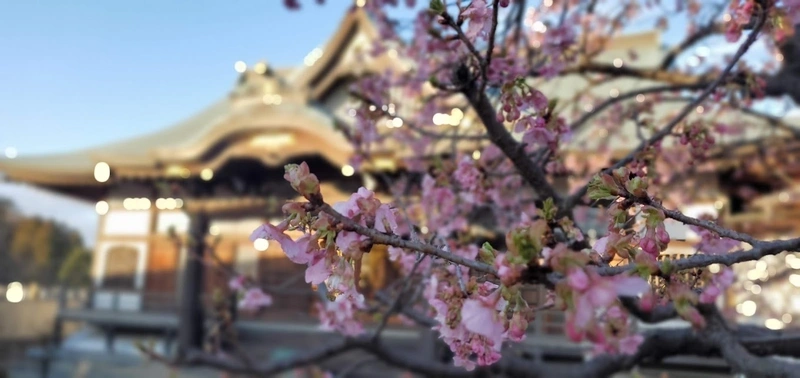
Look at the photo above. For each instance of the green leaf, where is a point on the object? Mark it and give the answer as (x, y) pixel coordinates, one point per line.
(487, 253)
(667, 267)
(643, 271)
(598, 190)
(552, 104)
(549, 209)
(437, 6)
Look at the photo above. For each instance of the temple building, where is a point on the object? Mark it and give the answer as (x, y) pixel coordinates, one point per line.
(219, 174)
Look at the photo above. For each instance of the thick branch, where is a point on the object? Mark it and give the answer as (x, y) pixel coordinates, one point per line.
(740, 359)
(366, 344)
(658, 314)
(530, 172)
(658, 344)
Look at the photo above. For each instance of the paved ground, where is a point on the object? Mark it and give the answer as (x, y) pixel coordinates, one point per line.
(82, 355)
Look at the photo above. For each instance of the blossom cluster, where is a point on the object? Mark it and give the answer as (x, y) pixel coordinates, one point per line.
(475, 315)
(478, 310)
(251, 298)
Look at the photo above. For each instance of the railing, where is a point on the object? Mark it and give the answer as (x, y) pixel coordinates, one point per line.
(33, 292)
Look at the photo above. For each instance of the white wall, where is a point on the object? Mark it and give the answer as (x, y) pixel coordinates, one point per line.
(126, 223)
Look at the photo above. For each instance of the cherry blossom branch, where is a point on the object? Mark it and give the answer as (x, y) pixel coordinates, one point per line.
(344, 373)
(416, 316)
(570, 201)
(577, 124)
(780, 345)
(707, 224)
(759, 250)
(378, 237)
(490, 49)
(707, 30)
(448, 19)
(530, 172)
(658, 314)
(611, 71)
(397, 300)
(415, 127)
(739, 358)
(657, 345)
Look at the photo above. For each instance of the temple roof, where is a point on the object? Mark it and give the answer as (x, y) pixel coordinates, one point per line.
(277, 101)
(275, 114)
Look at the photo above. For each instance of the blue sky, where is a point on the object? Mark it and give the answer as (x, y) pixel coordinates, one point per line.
(84, 73)
(77, 74)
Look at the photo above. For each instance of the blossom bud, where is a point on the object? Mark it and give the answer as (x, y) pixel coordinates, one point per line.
(621, 174)
(302, 180)
(662, 235)
(487, 253)
(648, 245)
(647, 302)
(637, 186)
(577, 279)
(517, 327)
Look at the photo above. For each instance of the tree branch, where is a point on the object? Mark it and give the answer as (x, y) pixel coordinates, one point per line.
(531, 173)
(378, 237)
(759, 250)
(707, 30)
(570, 201)
(577, 124)
(708, 225)
(739, 358)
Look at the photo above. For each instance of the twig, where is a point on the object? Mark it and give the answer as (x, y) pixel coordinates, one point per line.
(490, 49)
(396, 304)
(463, 37)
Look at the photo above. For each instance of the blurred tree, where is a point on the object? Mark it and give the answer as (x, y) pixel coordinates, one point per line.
(75, 269)
(39, 250)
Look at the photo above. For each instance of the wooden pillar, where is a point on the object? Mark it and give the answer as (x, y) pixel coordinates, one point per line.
(191, 314)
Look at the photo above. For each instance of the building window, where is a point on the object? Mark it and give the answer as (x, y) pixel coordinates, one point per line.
(120, 268)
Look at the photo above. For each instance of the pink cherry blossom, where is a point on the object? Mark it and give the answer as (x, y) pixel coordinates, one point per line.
(508, 273)
(577, 279)
(517, 327)
(339, 315)
(300, 251)
(630, 344)
(237, 283)
(318, 270)
(386, 219)
(649, 245)
(483, 319)
(350, 243)
(717, 285)
(601, 246)
(254, 299)
(480, 20)
(713, 244)
(448, 177)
